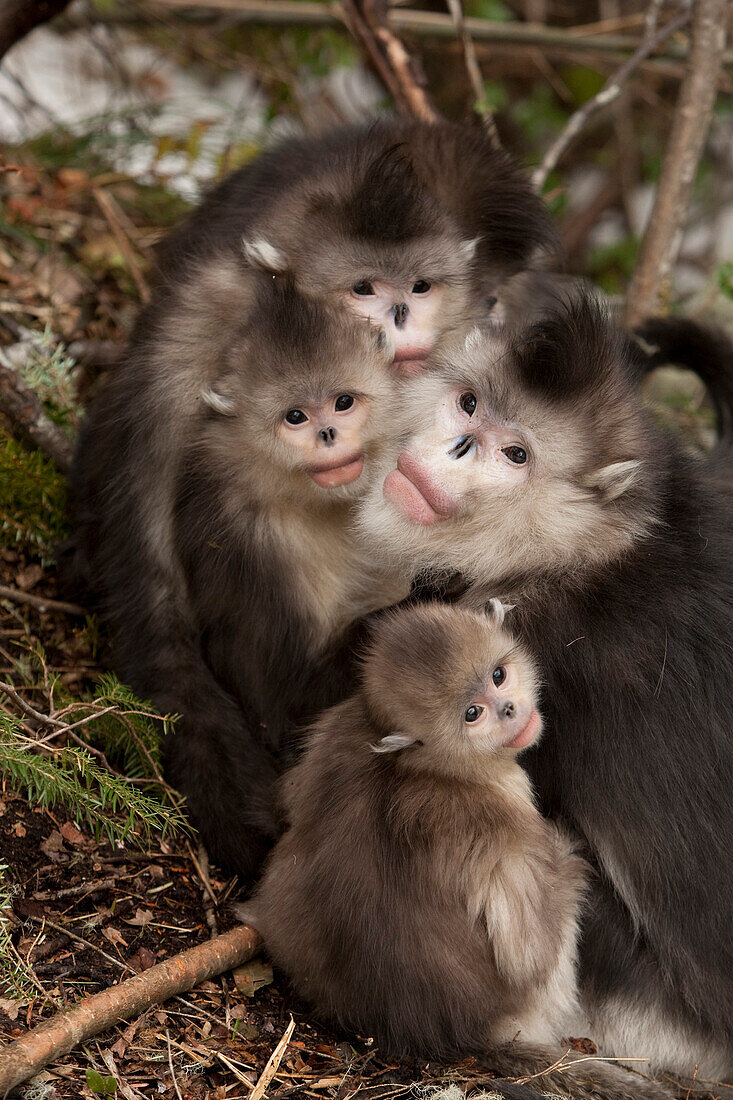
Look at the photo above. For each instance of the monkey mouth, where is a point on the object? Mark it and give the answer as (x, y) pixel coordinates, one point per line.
(329, 475)
(410, 362)
(527, 735)
(414, 494)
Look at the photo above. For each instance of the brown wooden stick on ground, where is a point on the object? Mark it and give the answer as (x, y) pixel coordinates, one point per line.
(661, 242)
(26, 1056)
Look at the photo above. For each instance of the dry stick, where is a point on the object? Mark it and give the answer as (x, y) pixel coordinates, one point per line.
(661, 242)
(27, 416)
(108, 206)
(474, 72)
(40, 602)
(26, 1056)
(610, 91)
(399, 72)
(431, 23)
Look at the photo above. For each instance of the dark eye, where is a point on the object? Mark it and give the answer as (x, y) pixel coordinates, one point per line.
(295, 416)
(517, 455)
(473, 713)
(344, 402)
(422, 286)
(467, 401)
(363, 288)
(498, 676)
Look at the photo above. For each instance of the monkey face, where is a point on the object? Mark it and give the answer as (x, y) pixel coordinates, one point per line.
(515, 463)
(454, 684)
(410, 311)
(327, 439)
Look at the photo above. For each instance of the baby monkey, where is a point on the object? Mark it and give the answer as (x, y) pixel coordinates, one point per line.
(417, 896)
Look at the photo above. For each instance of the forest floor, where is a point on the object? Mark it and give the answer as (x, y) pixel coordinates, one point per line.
(75, 248)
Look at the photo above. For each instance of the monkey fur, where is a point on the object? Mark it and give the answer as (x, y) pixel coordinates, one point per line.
(417, 896)
(531, 464)
(219, 556)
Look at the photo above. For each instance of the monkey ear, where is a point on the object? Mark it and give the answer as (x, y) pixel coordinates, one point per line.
(218, 399)
(614, 480)
(393, 742)
(498, 610)
(264, 256)
(467, 249)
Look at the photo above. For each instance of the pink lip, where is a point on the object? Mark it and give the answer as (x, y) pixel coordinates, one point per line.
(528, 734)
(410, 353)
(342, 473)
(410, 362)
(412, 491)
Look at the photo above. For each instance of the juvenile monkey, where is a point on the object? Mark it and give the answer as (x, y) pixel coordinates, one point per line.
(417, 896)
(532, 467)
(413, 225)
(215, 485)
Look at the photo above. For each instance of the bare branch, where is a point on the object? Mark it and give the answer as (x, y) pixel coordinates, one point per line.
(661, 241)
(473, 70)
(610, 91)
(27, 416)
(19, 17)
(399, 72)
(42, 603)
(28, 1055)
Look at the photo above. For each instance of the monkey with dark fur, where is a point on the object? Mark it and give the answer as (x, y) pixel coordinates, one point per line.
(533, 467)
(196, 612)
(417, 895)
(220, 468)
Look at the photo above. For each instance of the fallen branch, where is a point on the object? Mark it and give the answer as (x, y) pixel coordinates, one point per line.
(398, 71)
(610, 91)
(26, 1056)
(661, 242)
(27, 416)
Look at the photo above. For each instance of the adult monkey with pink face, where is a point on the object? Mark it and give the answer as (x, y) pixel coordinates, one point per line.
(532, 467)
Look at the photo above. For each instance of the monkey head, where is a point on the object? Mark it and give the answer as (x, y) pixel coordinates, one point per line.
(522, 454)
(449, 684)
(372, 240)
(304, 399)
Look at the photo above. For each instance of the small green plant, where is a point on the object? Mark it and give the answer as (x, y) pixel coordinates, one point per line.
(725, 279)
(48, 370)
(16, 983)
(32, 499)
(102, 1086)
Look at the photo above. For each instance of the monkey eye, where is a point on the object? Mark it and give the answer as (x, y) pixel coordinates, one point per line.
(344, 402)
(498, 675)
(473, 713)
(515, 454)
(295, 416)
(363, 289)
(468, 403)
(422, 286)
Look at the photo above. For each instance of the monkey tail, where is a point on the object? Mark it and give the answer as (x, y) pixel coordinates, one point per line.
(564, 1072)
(704, 349)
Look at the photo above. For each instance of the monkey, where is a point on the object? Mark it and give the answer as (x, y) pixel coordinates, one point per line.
(529, 463)
(412, 224)
(213, 492)
(417, 896)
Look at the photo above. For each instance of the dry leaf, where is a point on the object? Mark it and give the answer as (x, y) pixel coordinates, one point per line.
(19, 829)
(28, 577)
(114, 936)
(252, 976)
(71, 833)
(10, 1008)
(141, 918)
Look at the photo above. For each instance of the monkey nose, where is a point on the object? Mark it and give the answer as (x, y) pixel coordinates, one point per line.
(327, 436)
(507, 710)
(400, 311)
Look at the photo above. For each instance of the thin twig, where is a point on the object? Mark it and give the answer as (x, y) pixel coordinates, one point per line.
(610, 91)
(170, 1063)
(273, 1063)
(43, 603)
(474, 71)
(108, 206)
(661, 242)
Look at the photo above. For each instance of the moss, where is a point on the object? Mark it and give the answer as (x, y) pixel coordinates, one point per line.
(32, 499)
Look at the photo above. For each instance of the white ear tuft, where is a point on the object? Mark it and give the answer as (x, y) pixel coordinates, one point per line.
(467, 249)
(264, 255)
(473, 340)
(498, 610)
(393, 742)
(219, 402)
(615, 479)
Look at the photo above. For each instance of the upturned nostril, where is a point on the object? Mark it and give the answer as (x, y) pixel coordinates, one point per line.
(327, 436)
(400, 312)
(508, 710)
